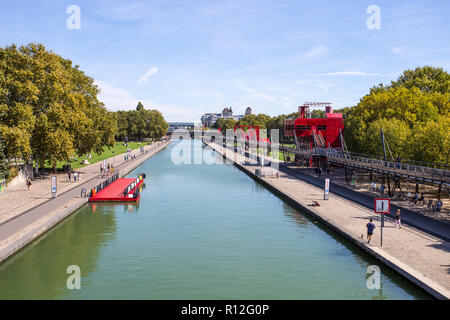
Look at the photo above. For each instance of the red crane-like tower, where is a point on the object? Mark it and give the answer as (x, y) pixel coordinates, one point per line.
(313, 135)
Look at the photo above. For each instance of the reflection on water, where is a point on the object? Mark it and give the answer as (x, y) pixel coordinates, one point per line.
(38, 272)
(198, 232)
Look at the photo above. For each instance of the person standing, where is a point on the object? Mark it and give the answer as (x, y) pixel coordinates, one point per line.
(69, 174)
(397, 219)
(370, 227)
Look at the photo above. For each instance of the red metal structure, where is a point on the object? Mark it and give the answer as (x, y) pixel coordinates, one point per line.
(252, 134)
(313, 134)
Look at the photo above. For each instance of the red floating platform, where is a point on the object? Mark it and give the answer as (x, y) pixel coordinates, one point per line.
(122, 189)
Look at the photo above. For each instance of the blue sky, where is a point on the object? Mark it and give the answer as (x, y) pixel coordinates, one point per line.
(186, 58)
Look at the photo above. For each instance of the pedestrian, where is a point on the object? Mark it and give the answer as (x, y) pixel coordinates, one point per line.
(370, 227)
(398, 221)
(75, 176)
(28, 183)
(79, 176)
(69, 175)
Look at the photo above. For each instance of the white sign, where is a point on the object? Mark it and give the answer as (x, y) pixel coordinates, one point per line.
(327, 189)
(382, 205)
(54, 186)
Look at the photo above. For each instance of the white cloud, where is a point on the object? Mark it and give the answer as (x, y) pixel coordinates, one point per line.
(351, 73)
(257, 94)
(148, 74)
(315, 52)
(120, 99)
(397, 50)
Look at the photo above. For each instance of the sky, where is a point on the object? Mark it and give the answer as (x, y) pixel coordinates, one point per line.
(186, 58)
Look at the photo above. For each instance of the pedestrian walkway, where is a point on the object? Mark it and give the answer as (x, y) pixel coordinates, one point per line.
(419, 256)
(18, 200)
(23, 228)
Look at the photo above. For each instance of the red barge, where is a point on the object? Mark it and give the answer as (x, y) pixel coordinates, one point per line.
(118, 189)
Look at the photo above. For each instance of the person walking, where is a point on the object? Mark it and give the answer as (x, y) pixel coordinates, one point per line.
(28, 183)
(370, 227)
(69, 175)
(397, 219)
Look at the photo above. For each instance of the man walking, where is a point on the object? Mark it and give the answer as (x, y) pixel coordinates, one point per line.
(370, 227)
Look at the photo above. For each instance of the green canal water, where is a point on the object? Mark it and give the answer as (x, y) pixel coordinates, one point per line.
(199, 232)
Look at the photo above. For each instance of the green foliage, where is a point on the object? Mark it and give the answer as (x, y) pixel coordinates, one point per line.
(4, 167)
(49, 108)
(139, 106)
(318, 114)
(224, 124)
(413, 111)
(261, 120)
(432, 141)
(140, 123)
(426, 79)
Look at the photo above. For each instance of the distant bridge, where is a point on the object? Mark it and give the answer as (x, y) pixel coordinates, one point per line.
(179, 125)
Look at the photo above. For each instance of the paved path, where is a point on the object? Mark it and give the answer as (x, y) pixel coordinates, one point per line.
(18, 199)
(437, 228)
(13, 230)
(419, 256)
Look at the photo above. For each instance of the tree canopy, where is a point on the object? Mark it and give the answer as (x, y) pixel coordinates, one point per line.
(140, 123)
(4, 168)
(49, 108)
(413, 111)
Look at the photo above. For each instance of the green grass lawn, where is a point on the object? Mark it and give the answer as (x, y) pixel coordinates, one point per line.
(107, 153)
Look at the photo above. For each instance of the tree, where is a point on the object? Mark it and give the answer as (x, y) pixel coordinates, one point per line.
(397, 135)
(224, 124)
(140, 123)
(49, 108)
(4, 168)
(139, 106)
(413, 112)
(156, 125)
(426, 79)
(431, 143)
(261, 120)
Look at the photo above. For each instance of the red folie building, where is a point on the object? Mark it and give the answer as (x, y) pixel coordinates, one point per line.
(314, 135)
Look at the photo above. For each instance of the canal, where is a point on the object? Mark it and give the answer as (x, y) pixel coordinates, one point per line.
(199, 232)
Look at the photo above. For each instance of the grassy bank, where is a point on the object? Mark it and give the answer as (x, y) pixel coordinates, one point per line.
(108, 152)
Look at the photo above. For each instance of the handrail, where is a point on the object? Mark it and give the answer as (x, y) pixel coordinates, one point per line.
(104, 184)
(131, 186)
(340, 156)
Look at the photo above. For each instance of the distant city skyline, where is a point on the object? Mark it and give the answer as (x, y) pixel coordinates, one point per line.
(190, 58)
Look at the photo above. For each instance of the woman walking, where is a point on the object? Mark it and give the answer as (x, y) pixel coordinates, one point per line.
(28, 183)
(397, 219)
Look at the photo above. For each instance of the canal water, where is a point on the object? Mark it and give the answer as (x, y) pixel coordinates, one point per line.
(199, 232)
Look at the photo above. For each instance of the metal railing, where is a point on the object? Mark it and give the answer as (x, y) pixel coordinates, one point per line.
(131, 186)
(406, 169)
(104, 184)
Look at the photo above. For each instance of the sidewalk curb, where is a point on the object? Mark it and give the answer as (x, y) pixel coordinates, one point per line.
(59, 194)
(406, 271)
(29, 238)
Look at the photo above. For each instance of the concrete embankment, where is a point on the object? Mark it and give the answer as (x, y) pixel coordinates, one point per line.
(419, 257)
(22, 230)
